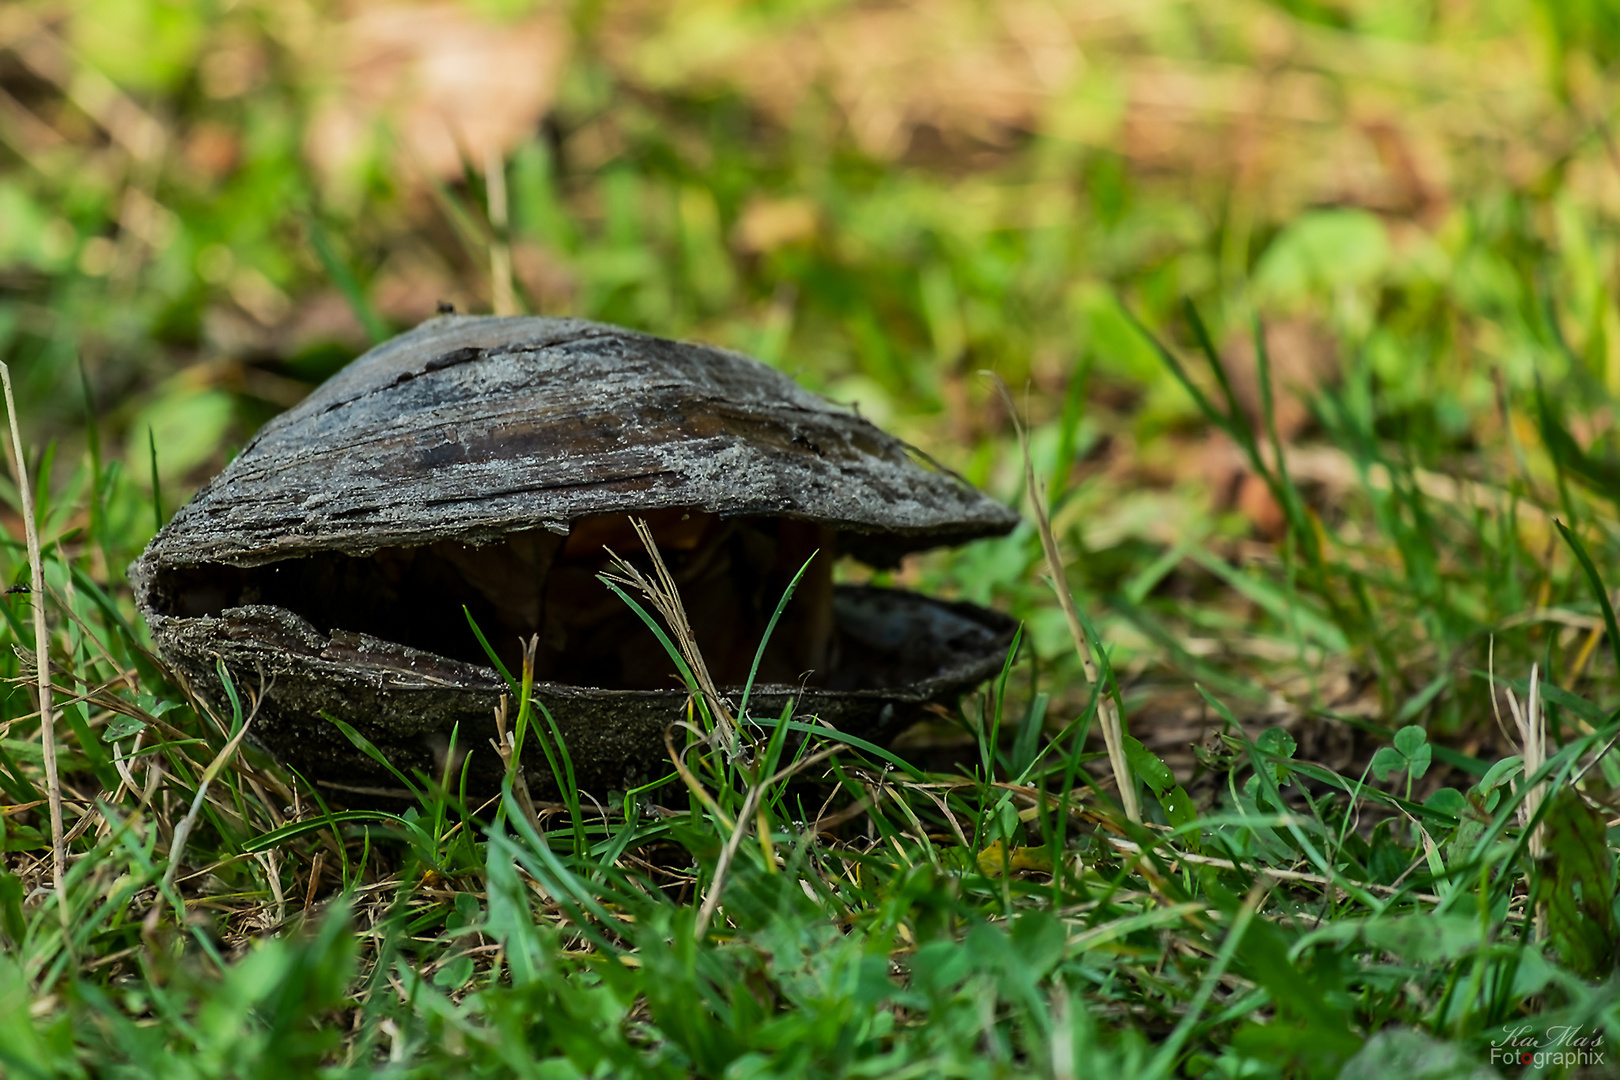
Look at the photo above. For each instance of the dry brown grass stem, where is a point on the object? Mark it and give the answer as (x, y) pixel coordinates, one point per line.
(182, 831)
(1113, 727)
(693, 784)
(1173, 857)
(751, 803)
(661, 591)
(1531, 722)
(505, 744)
(271, 860)
(42, 642)
(502, 296)
(1532, 742)
(315, 867)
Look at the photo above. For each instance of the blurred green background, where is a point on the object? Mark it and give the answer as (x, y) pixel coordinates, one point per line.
(208, 207)
(211, 205)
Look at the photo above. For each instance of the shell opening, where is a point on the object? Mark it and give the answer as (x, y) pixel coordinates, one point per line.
(730, 572)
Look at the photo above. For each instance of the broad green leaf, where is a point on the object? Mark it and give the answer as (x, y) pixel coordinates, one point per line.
(1448, 800)
(1323, 251)
(1424, 938)
(1276, 740)
(1500, 773)
(144, 44)
(187, 426)
(13, 926)
(1410, 740)
(1040, 941)
(122, 727)
(1580, 906)
(1412, 1055)
(1180, 810)
(1387, 762)
(1148, 766)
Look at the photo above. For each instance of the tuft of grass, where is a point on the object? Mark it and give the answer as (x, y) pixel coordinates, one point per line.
(1316, 308)
(817, 907)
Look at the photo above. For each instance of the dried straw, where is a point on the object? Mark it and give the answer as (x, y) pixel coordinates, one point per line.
(1113, 728)
(42, 660)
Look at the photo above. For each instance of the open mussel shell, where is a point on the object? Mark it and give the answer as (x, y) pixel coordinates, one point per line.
(479, 467)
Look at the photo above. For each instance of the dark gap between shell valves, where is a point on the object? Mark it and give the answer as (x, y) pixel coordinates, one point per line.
(731, 574)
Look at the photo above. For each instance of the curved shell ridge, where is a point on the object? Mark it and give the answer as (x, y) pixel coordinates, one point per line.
(523, 423)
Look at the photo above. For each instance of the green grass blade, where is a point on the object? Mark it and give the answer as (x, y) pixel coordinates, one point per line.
(1596, 584)
(770, 628)
(368, 748)
(157, 482)
(343, 277)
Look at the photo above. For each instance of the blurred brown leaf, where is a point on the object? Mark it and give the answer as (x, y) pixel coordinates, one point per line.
(412, 284)
(444, 81)
(767, 224)
(1293, 115)
(212, 151)
(546, 279)
(1303, 356)
(960, 68)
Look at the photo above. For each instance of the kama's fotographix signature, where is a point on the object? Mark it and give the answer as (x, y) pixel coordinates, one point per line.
(1529, 1044)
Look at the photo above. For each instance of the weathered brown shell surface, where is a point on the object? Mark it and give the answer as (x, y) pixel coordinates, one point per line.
(472, 428)
(472, 461)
